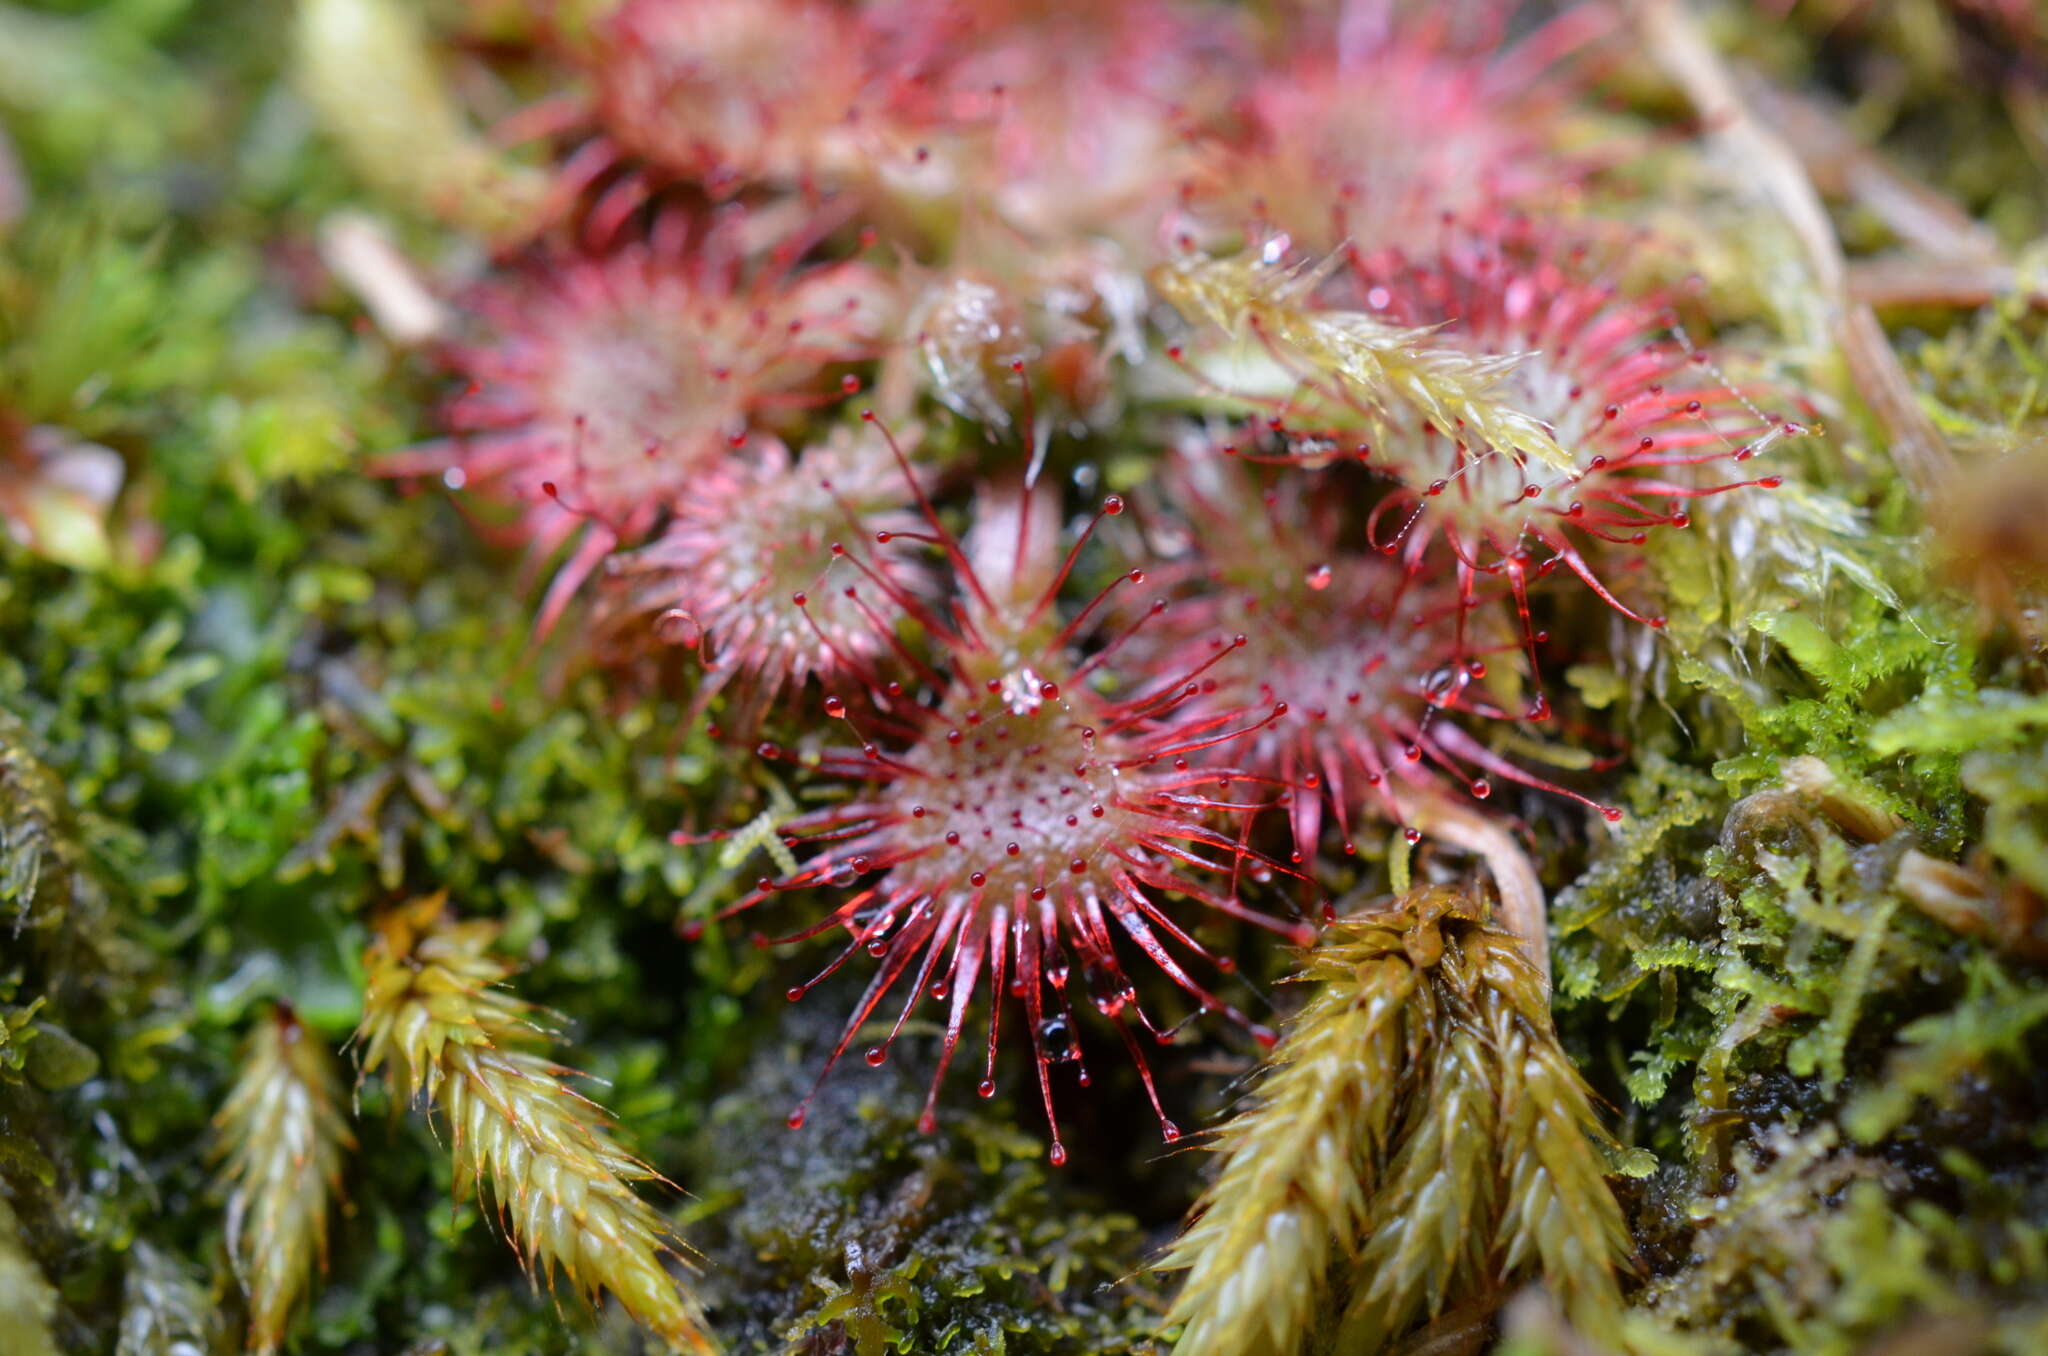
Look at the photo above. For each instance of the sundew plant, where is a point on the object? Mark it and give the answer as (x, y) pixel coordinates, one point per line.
(954, 677)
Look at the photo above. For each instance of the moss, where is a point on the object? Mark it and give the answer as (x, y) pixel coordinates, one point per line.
(78, 1022)
(253, 694)
(859, 1234)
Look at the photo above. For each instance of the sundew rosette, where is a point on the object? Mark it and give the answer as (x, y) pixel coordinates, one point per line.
(1363, 130)
(1391, 681)
(1018, 823)
(1532, 417)
(600, 386)
(744, 578)
(725, 94)
(1649, 418)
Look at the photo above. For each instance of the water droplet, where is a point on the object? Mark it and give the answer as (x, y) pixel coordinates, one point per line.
(835, 707)
(795, 1120)
(1058, 1039)
(876, 1056)
(1319, 577)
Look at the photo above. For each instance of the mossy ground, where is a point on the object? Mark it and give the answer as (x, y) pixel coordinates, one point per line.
(269, 695)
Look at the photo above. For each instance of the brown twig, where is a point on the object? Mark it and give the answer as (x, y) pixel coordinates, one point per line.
(1902, 279)
(1841, 164)
(1522, 907)
(1675, 41)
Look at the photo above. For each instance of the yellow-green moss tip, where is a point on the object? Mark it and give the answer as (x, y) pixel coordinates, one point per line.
(1343, 366)
(431, 1011)
(1418, 1139)
(284, 1136)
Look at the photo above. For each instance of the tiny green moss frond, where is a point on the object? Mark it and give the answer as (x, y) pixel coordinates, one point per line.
(1940, 1055)
(285, 1136)
(1345, 365)
(1300, 1166)
(1809, 1248)
(544, 1152)
(1421, 1140)
(1995, 736)
(862, 1232)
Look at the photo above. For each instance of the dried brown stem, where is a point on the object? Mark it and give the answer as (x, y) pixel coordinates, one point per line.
(1522, 908)
(1902, 279)
(1917, 447)
(1841, 164)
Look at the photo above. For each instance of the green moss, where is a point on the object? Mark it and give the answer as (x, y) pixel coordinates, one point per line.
(861, 1234)
(1766, 955)
(1992, 739)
